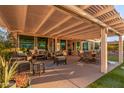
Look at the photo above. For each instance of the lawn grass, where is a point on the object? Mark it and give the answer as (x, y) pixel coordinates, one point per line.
(113, 79)
(113, 58)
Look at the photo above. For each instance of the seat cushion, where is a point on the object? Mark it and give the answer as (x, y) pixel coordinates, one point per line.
(61, 57)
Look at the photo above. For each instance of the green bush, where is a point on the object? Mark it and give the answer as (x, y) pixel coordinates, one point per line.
(112, 47)
(7, 42)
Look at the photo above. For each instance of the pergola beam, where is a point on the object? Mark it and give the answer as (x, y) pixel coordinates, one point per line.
(57, 25)
(45, 19)
(76, 30)
(85, 34)
(24, 17)
(119, 29)
(105, 10)
(115, 23)
(91, 30)
(83, 38)
(111, 18)
(84, 6)
(3, 22)
(74, 10)
(88, 35)
(119, 26)
(69, 27)
(94, 30)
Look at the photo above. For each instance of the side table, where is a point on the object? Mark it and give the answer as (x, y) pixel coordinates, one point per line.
(36, 67)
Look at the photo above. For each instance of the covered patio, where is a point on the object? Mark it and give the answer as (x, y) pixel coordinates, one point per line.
(71, 23)
(74, 75)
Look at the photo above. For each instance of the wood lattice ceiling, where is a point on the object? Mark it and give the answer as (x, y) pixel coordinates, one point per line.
(49, 21)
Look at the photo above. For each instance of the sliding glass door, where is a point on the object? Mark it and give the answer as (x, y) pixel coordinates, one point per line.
(85, 46)
(63, 44)
(42, 43)
(26, 42)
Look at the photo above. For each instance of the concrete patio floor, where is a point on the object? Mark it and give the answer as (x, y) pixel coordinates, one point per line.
(73, 75)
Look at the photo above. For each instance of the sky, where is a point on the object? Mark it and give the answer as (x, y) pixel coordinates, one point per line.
(119, 9)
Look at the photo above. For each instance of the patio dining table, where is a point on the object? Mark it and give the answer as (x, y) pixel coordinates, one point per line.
(60, 60)
(39, 56)
(34, 66)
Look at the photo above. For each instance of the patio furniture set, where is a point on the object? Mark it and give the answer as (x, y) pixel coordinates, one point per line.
(37, 60)
(90, 57)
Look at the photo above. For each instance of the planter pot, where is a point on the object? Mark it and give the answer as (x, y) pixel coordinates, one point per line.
(28, 86)
(12, 84)
(25, 87)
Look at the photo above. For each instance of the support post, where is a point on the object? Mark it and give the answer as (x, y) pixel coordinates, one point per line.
(66, 45)
(75, 47)
(93, 46)
(55, 44)
(16, 36)
(120, 49)
(35, 43)
(18, 42)
(104, 65)
(81, 46)
(48, 44)
(89, 45)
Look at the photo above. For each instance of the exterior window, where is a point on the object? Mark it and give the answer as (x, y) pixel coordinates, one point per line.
(73, 45)
(91, 45)
(85, 46)
(26, 42)
(96, 45)
(78, 46)
(63, 44)
(42, 43)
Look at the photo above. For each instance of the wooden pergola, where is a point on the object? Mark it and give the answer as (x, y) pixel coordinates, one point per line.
(68, 22)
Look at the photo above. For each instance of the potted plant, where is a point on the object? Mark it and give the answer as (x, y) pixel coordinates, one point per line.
(7, 72)
(22, 80)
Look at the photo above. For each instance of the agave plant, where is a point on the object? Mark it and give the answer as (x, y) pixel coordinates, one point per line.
(7, 72)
